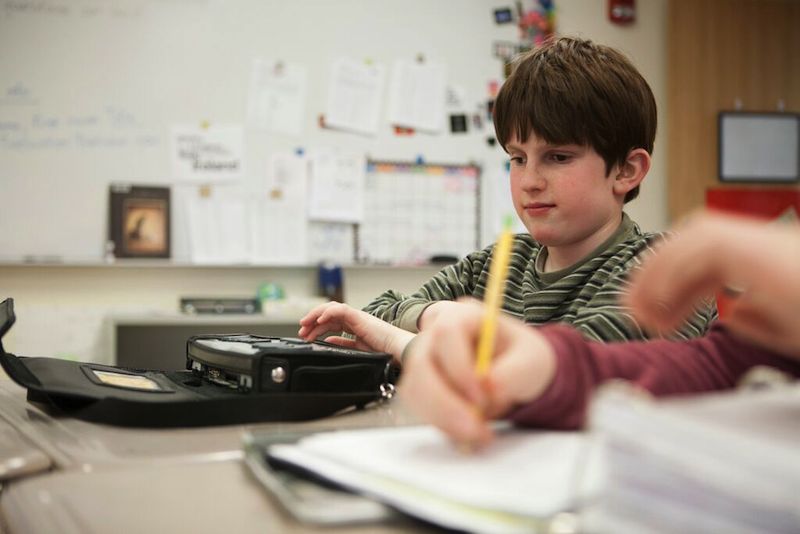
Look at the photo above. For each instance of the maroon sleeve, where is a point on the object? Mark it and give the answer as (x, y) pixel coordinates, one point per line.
(663, 367)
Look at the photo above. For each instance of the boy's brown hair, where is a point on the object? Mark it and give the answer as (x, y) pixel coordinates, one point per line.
(572, 91)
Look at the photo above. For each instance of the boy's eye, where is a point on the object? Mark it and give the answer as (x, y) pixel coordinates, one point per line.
(558, 157)
(517, 160)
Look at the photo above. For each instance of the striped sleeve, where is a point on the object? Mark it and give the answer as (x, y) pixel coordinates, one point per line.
(604, 317)
(450, 283)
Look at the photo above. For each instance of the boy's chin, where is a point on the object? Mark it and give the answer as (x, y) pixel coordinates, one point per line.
(543, 236)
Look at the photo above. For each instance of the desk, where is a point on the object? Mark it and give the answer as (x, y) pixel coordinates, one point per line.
(159, 341)
(110, 479)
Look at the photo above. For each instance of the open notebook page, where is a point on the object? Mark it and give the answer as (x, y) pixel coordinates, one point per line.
(515, 484)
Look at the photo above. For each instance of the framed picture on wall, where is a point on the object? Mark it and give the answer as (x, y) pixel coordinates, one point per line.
(759, 147)
(139, 221)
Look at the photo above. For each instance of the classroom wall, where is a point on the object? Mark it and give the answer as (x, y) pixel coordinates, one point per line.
(65, 310)
(724, 54)
(645, 43)
(91, 92)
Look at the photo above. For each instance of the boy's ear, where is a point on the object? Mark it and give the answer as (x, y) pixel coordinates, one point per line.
(631, 173)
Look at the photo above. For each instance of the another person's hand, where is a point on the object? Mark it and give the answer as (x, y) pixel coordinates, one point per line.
(715, 251)
(371, 333)
(439, 382)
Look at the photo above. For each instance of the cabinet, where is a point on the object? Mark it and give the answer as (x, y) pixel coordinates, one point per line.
(159, 342)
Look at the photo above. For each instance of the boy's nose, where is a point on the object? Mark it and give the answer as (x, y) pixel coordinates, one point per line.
(533, 179)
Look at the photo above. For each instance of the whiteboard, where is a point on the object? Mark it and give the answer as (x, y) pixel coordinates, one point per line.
(90, 89)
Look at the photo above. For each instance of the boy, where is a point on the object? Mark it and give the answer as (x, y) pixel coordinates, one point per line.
(578, 121)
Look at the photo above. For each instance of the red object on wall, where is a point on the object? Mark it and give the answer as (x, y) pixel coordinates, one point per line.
(765, 203)
(768, 204)
(622, 11)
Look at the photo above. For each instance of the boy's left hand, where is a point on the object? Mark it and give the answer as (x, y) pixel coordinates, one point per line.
(371, 333)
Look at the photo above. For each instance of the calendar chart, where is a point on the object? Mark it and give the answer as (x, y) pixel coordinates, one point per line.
(415, 212)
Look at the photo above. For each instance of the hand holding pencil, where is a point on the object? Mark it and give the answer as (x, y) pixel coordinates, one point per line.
(474, 364)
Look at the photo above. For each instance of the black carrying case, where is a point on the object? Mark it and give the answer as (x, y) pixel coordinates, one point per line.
(182, 399)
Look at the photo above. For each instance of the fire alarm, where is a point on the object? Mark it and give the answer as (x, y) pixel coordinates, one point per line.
(622, 11)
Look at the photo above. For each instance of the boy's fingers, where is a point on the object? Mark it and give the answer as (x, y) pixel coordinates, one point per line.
(322, 329)
(309, 319)
(348, 318)
(343, 341)
(312, 316)
(333, 310)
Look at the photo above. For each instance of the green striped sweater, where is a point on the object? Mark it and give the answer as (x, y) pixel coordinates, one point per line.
(586, 295)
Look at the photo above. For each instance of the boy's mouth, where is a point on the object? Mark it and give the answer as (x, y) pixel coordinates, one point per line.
(537, 208)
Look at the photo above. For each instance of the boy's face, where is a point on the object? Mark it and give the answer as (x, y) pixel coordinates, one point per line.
(563, 196)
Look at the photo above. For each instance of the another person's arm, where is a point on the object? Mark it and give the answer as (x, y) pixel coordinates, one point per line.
(713, 362)
(545, 377)
(713, 251)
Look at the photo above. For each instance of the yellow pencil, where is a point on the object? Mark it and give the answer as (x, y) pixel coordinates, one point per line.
(494, 298)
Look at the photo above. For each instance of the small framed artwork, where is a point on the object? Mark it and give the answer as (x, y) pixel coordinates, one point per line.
(458, 123)
(139, 221)
(503, 15)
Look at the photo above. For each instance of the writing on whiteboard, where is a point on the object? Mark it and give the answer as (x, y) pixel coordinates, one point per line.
(67, 8)
(110, 127)
(18, 94)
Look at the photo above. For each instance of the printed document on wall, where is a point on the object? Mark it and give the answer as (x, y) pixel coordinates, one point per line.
(204, 152)
(218, 226)
(417, 95)
(354, 96)
(337, 186)
(277, 99)
(280, 226)
(331, 242)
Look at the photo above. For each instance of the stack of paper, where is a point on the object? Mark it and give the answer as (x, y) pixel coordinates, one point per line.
(518, 484)
(717, 463)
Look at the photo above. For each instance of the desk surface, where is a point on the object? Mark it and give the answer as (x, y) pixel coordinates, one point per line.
(110, 479)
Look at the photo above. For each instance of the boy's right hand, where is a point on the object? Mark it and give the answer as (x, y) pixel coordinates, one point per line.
(371, 333)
